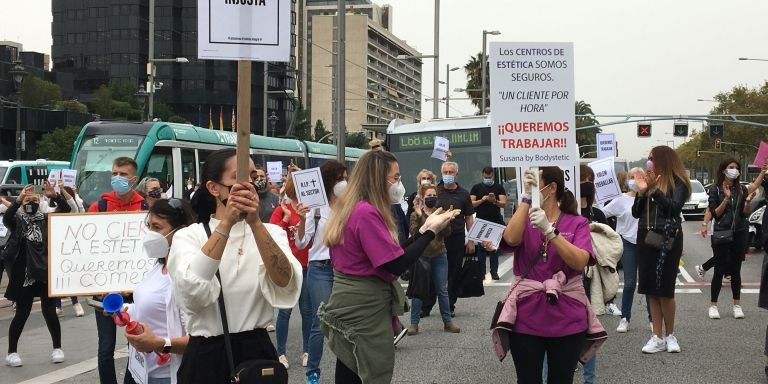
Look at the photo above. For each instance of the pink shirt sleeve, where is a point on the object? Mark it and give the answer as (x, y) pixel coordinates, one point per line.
(374, 236)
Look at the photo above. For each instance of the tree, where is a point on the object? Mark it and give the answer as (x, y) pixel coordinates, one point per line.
(72, 106)
(125, 91)
(36, 92)
(162, 111)
(357, 140)
(178, 119)
(57, 144)
(102, 102)
(320, 131)
(586, 138)
(474, 70)
(302, 128)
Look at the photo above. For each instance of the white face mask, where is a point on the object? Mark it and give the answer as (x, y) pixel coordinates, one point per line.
(155, 245)
(426, 182)
(396, 192)
(544, 198)
(732, 173)
(339, 188)
(632, 184)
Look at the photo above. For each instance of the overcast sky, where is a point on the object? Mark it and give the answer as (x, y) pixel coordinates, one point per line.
(641, 57)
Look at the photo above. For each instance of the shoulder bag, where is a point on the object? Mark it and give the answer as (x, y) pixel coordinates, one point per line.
(254, 371)
(654, 239)
(725, 236)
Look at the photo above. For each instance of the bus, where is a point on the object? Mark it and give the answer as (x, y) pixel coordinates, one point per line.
(174, 153)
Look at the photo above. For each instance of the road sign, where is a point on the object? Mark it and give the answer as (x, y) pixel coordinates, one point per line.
(643, 129)
(718, 143)
(716, 131)
(681, 130)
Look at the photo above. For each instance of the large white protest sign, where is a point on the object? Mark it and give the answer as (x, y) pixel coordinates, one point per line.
(483, 230)
(440, 150)
(275, 171)
(309, 187)
(606, 183)
(257, 30)
(606, 145)
(532, 102)
(95, 253)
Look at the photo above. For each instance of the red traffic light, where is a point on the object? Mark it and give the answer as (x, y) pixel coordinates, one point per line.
(718, 143)
(643, 129)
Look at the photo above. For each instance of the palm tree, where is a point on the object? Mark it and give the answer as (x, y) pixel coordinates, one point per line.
(586, 137)
(474, 71)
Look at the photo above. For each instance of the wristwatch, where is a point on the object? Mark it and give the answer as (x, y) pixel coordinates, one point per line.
(552, 234)
(167, 345)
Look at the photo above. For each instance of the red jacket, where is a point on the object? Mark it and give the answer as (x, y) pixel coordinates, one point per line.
(291, 229)
(116, 204)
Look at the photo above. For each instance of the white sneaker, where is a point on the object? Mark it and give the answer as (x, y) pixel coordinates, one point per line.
(304, 359)
(726, 279)
(59, 312)
(57, 356)
(612, 309)
(623, 326)
(713, 312)
(270, 328)
(78, 310)
(284, 361)
(737, 312)
(655, 344)
(672, 345)
(700, 271)
(14, 360)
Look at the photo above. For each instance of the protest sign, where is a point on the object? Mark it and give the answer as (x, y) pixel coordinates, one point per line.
(483, 230)
(95, 253)
(309, 187)
(69, 176)
(606, 184)
(762, 155)
(440, 149)
(532, 98)
(606, 145)
(257, 30)
(274, 171)
(137, 365)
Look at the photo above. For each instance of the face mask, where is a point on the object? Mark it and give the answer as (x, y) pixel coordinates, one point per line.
(260, 184)
(229, 189)
(632, 184)
(732, 173)
(587, 190)
(189, 186)
(487, 181)
(543, 199)
(396, 192)
(155, 245)
(155, 193)
(426, 182)
(120, 184)
(339, 188)
(430, 201)
(31, 208)
(649, 165)
(448, 179)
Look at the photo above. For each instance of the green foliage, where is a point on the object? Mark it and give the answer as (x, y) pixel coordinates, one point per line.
(320, 130)
(57, 144)
(71, 105)
(357, 140)
(586, 137)
(124, 91)
(302, 128)
(178, 119)
(474, 71)
(36, 92)
(102, 102)
(162, 111)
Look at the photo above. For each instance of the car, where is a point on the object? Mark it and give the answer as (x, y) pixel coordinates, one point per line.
(697, 204)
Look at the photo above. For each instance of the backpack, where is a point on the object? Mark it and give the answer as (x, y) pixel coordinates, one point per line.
(103, 205)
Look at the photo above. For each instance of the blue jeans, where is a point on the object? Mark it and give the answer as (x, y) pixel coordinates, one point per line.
(107, 331)
(440, 280)
(284, 316)
(629, 261)
(493, 255)
(319, 283)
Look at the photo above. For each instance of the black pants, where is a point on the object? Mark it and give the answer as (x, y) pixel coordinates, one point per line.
(728, 258)
(562, 356)
(454, 244)
(344, 375)
(24, 308)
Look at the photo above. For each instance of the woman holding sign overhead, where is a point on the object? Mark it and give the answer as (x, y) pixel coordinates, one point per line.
(27, 254)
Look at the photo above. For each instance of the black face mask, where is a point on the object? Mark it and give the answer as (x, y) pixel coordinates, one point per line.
(229, 190)
(31, 208)
(587, 190)
(430, 201)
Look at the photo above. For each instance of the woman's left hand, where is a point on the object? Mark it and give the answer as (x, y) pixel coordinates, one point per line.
(246, 200)
(147, 341)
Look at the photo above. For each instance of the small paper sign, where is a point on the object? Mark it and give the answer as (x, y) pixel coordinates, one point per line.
(762, 155)
(274, 171)
(606, 183)
(483, 230)
(69, 176)
(309, 187)
(53, 179)
(441, 148)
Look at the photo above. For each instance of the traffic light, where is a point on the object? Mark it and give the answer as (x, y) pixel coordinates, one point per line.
(716, 131)
(680, 130)
(718, 143)
(643, 129)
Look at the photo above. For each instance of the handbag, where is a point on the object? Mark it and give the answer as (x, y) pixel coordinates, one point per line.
(420, 284)
(254, 371)
(725, 236)
(653, 239)
(470, 278)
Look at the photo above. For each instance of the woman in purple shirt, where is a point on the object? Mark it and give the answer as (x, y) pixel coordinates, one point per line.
(547, 240)
(367, 258)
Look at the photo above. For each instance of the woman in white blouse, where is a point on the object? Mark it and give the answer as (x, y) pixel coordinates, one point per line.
(258, 273)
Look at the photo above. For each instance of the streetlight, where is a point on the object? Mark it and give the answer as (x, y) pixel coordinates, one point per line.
(287, 92)
(18, 74)
(151, 73)
(748, 59)
(273, 122)
(448, 71)
(709, 100)
(484, 64)
(142, 95)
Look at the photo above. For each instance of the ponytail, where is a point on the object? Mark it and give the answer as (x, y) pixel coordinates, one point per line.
(568, 203)
(565, 197)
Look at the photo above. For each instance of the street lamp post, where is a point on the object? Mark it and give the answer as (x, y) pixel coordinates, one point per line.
(749, 59)
(18, 74)
(482, 75)
(436, 88)
(448, 71)
(288, 93)
(142, 95)
(273, 119)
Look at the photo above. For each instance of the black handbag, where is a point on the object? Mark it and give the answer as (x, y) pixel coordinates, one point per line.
(470, 278)
(653, 239)
(420, 283)
(255, 371)
(725, 236)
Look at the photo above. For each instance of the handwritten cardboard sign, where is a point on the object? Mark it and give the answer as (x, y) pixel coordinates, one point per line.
(606, 183)
(95, 253)
(309, 187)
(483, 230)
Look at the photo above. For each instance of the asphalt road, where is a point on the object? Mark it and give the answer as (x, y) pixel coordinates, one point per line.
(713, 351)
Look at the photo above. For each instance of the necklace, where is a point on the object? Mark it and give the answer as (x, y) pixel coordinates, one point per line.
(240, 248)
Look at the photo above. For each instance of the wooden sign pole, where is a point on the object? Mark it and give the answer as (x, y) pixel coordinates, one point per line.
(243, 119)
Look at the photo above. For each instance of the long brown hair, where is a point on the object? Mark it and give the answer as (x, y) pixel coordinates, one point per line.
(368, 182)
(668, 166)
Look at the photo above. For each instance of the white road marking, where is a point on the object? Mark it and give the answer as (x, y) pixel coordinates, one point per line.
(72, 370)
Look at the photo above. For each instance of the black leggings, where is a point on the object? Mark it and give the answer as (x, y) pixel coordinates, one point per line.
(23, 309)
(728, 258)
(344, 375)
(562, 356)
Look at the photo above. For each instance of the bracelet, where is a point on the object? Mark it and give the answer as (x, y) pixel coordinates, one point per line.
(222, 233)
(703, 224)
(526, 200)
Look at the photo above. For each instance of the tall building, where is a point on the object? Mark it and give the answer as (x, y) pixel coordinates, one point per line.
(103, 41)
(379, 87)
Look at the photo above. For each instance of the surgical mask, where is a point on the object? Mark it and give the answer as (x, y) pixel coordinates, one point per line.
(587, 190)
(448, 179)
(426, 182)
(487, 181)
(649, 165)
(339, 188)
(120, 184)
(543, 199)
(396, 192)
(732, 173)
(155, 193)
(430, 201)
(31, 208)
(632, 185)
(156, 245)
(260, 184)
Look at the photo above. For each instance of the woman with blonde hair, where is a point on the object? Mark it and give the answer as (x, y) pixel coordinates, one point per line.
(661, 193)
(366, 256)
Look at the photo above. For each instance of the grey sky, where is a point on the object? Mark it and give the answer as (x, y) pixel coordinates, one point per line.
(644, 57)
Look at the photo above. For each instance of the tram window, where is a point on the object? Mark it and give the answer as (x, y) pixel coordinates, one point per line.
(160, 166)
(14, 176)
(188, 172)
